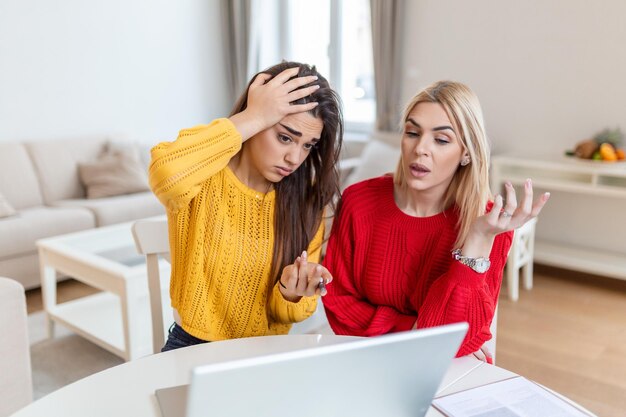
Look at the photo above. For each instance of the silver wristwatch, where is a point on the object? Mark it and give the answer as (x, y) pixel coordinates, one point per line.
(479, 265)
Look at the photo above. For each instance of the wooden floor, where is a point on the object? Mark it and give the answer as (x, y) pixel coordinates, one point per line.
(568, 333)
(66, 290)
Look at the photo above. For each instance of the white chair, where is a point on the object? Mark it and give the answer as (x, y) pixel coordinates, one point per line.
(16, 388)
(316, 324)
(521, 258)
(151, 239)
(491, 343)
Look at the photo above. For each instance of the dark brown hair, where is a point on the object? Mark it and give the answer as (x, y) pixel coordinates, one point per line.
(302, 196)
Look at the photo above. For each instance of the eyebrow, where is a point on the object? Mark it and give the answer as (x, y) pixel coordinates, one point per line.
(296, 133)
(436, 129)
(291, 130)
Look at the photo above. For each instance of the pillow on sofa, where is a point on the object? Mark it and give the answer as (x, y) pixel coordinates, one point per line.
(378, 158)
(117, 171)
(6, 209)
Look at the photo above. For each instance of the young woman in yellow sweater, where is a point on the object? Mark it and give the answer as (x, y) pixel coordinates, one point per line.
(245, 196)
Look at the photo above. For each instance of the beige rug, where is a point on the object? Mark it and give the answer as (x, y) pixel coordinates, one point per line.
(64, 359)
(68, 357)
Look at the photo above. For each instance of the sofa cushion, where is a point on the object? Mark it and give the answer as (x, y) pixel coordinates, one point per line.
(56, 162)
(119, 209)
(18, 181)
(118, 171)
(378, 158)
(24, 268)
(6, 209)
(20, 232)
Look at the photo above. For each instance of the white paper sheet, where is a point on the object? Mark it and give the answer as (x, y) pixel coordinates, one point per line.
(514, 397)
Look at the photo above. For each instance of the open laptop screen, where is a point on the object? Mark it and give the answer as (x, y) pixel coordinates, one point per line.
(394, 375)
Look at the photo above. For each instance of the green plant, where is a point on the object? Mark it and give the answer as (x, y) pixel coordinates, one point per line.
(613, 136)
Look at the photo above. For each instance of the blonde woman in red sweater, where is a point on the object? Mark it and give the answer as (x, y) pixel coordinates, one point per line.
(426, 246)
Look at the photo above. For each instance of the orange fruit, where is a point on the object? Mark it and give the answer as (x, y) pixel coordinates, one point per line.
(621, 155)
(608, 152)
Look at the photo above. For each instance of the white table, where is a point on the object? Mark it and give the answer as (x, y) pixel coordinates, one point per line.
(128, 389)
(117, 319)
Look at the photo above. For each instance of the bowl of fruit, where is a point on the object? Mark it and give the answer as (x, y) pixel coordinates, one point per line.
(606, 146)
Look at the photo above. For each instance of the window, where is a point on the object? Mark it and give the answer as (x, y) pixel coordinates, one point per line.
(336, 36)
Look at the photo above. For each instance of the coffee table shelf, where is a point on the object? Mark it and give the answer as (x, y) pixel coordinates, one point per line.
(98, 318)
(117, 319)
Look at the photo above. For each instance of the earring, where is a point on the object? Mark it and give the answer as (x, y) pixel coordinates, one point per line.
(465, 162)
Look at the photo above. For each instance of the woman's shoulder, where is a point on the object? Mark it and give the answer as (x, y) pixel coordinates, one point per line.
(367, 196)
(370, 186)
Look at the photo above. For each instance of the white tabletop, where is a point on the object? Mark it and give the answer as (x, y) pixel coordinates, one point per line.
(128, 389)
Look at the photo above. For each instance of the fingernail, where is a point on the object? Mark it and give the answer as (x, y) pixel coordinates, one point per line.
(528, 182)
(304, 254)
(318, 269)
(315, 77)
(547, 195)
(508, 184)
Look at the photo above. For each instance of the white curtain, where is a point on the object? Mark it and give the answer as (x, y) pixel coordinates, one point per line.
(241, 42)
(387, 36)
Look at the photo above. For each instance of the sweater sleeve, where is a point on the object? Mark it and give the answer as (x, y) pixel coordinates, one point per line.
(348, 312)
(461, 294)
(284, 311)
(178, 169)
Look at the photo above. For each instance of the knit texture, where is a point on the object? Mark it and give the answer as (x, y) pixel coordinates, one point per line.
(391, 269)
(221, 236)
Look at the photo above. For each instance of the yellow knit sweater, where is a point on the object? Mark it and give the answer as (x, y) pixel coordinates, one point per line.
(221, 239)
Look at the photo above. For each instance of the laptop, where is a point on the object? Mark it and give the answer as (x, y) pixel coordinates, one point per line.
(394, 375)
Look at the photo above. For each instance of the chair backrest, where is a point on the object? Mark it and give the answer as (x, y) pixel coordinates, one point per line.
(16, 388)
(151, 239)
(317, 323)
(491, 343)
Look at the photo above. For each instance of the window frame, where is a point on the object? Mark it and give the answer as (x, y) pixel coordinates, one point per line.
(334, 54)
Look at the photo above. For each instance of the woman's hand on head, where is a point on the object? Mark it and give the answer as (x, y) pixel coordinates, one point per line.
(502, 218)
(269, 101)
(302, 279)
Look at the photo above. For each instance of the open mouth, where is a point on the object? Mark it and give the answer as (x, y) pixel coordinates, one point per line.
(419, 170)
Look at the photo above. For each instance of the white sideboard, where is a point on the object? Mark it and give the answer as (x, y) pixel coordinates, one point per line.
(586, 179)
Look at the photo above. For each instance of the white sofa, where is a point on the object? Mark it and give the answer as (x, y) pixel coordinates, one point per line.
(40, 180)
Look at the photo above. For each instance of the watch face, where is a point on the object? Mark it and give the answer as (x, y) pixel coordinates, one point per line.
(482, 265)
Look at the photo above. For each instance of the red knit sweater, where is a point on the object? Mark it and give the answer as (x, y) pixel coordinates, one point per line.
(391, 269)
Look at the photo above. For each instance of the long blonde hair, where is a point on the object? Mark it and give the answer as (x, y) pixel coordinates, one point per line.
(469, 188)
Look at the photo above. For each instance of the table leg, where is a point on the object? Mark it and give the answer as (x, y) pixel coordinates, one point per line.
(48, 292)
(130, 319)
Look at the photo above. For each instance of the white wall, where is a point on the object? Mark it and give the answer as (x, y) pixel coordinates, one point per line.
(140, 68)
(549, 73)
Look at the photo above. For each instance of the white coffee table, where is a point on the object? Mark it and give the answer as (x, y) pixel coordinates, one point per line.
(118, 318)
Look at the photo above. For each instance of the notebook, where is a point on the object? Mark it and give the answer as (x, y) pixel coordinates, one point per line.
(394, 375)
